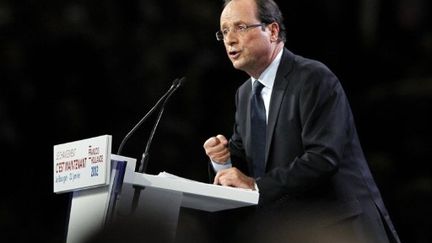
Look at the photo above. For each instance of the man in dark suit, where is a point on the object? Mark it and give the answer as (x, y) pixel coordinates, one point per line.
(308, 164)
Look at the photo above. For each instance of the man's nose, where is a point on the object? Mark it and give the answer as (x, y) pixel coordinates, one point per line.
(230, 38)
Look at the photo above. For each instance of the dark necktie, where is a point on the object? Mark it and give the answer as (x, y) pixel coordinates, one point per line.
(258, 130)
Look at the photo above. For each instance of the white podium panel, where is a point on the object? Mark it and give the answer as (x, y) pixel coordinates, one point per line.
(89, 208)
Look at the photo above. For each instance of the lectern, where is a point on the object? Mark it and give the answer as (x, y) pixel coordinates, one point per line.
(151, 202)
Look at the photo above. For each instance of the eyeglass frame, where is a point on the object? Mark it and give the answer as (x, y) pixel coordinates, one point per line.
(241, 28)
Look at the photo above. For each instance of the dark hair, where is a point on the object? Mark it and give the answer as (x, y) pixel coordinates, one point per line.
(268, 12)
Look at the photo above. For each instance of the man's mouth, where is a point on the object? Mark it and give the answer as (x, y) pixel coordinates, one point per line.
(234, 54)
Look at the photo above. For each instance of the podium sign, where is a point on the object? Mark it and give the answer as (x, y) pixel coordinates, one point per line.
(82, 164)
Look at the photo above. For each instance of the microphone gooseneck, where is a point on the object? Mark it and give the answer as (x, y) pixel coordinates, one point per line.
(175, 85)
(145, 156)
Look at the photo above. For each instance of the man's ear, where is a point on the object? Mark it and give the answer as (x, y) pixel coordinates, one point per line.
(274, 31)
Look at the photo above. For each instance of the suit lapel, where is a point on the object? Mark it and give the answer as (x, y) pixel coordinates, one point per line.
(278, 94)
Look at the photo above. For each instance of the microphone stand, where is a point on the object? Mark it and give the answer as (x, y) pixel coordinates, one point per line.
(145, 156)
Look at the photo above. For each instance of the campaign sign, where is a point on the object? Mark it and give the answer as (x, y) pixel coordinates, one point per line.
(82, 164)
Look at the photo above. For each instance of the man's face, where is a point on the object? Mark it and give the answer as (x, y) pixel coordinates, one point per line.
(251, 49)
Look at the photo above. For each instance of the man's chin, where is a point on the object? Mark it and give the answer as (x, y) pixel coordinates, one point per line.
(237, 64)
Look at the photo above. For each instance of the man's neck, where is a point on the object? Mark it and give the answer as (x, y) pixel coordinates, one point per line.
(278, 47)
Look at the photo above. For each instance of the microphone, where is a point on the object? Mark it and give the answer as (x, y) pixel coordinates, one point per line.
(145, 156)
(144, 160)
(175, 85)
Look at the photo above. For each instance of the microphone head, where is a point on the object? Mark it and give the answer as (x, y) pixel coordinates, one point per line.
(174, 83)
(179, 82)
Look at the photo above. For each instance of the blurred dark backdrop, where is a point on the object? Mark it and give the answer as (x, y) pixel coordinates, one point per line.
(76, 69)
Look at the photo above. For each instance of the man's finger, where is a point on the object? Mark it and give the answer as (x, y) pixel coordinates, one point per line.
(213, 141)
(216, 179)
(220, 173)
(222, 139)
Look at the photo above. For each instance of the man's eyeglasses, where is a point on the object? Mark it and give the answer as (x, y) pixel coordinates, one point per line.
(241, 28)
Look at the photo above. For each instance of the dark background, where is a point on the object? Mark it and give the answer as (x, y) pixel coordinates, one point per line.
(76, 69)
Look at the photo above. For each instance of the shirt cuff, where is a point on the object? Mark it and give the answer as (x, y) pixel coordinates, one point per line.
(217, 166)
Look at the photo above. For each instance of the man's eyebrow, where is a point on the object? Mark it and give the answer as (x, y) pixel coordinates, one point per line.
(236, 23)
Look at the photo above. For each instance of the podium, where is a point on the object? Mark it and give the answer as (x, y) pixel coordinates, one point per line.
(143, 207)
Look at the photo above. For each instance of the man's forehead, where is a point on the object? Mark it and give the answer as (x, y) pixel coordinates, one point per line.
(238, 11)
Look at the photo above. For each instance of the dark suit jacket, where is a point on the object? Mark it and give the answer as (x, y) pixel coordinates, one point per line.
(315, 167)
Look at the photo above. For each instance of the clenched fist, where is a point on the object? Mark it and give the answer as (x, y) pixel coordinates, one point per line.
(217, 150)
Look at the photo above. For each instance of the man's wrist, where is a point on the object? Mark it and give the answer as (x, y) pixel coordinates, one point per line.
(217, 162)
